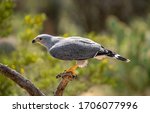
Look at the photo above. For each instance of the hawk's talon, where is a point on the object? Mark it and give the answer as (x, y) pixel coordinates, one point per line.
(59, 75)
(69, 72)
(74, 76)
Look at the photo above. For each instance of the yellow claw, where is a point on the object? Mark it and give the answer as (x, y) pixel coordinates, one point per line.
(72, 69)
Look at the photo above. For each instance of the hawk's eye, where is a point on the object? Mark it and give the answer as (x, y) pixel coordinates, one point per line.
(40, 38)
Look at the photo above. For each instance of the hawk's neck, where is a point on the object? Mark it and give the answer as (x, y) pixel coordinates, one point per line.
(52, 42)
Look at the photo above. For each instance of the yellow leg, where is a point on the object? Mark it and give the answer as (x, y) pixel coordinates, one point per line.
(72, 69)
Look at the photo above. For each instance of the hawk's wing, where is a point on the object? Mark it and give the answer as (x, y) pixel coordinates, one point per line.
(75, 48)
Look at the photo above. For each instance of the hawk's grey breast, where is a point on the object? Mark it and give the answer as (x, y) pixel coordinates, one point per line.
(75, 48)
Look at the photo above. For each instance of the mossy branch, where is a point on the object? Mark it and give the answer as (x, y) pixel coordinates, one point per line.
(29, 86)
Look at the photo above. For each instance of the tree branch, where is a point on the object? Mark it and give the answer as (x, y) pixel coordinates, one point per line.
(20, 80)
(29, 86)
(66, 78)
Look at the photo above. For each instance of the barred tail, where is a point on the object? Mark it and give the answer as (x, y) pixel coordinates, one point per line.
(116, 56)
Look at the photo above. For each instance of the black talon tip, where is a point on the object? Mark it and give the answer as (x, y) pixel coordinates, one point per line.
(75, 76)
(58, 76)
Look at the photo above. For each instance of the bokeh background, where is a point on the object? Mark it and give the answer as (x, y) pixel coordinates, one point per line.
(120, 25)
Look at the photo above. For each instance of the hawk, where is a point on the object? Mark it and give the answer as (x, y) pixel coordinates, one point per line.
(75, 48)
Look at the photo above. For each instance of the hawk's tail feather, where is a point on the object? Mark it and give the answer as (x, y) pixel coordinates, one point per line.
(114, 55)
(118, 57)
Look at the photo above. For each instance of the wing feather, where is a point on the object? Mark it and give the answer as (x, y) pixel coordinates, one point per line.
(75, 48)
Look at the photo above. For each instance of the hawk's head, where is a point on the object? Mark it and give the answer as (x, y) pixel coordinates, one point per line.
(42, 38)
(46, 40)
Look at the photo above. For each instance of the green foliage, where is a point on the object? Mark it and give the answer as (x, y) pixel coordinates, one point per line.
(32, 25)
(33, 61)
(133, 41)
(6, 10)
(22, 57)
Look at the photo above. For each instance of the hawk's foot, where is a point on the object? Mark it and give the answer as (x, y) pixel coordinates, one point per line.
(72, 70)
(69, 75)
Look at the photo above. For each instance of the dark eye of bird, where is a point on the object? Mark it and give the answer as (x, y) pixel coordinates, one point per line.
(40, 38)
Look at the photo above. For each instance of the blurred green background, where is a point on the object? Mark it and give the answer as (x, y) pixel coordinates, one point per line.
(120, 25)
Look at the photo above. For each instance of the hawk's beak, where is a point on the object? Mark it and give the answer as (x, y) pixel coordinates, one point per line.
(33, 41)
